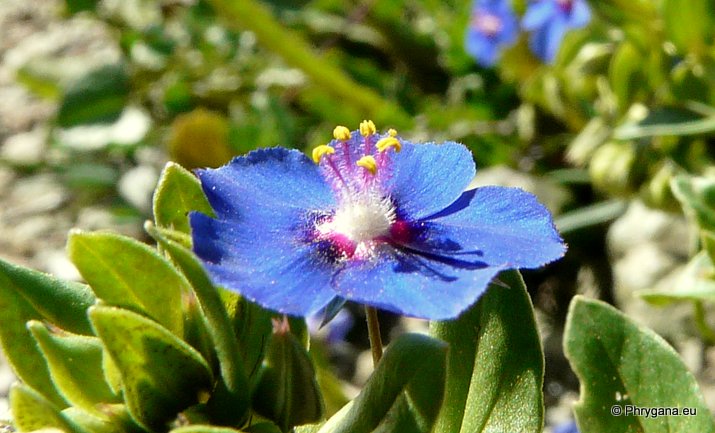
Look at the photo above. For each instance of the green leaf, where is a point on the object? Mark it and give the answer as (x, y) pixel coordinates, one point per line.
(252, 325)
(75, 6)
(177, 193)
(694, 284)
(31, 411)
(625, 73)
(97, 97)
(198, 428)
(75, 363)
(161, 374)
(404, 393)
(622, 364)
(18, 345)
(697, 195)
(64, 303)
(689, 24)
(495, 366)
(232, 398)
(287, 391)
(113, 419)
(127, 273)
(666, 121)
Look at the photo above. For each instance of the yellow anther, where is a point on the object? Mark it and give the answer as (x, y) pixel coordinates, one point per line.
(392, 132)
(321, 150)
(341, 133)
(385, 143)
(368, 162)
(367, 128)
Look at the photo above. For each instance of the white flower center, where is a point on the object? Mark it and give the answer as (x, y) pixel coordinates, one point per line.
(363, 219)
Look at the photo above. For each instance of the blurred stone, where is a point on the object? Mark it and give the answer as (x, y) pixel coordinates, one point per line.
(648, 250)
(130, 128)
(641, 224)
(7, 177)
(33, 195)
(137, 185)
(26, 148)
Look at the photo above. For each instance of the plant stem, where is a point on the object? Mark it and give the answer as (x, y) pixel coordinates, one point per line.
(373, 332)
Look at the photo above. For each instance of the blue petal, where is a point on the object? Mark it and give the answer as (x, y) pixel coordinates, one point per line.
(418, 181)
(580, 14)
(482, 49)
(500, 226)
(538, 13)
(554, 35)
(423, 286)
(264, 183)
(268, 264)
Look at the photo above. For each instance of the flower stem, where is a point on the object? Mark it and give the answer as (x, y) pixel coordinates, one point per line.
(373, 332)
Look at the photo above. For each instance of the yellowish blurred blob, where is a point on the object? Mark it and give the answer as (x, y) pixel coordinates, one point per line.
(200, 139)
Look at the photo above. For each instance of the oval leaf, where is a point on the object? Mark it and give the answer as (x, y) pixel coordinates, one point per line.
(127, 273)
(31, 411)
(621, 364)
(177, 193)
(64, 303)
(97, 97)
(75, 363)
(495, 366)
(161, 375)
(18, 345)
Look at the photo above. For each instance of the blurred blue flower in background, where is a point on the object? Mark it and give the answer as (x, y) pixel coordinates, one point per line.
(549, 20)
(567, 427)
(493, 26)
(373, 219)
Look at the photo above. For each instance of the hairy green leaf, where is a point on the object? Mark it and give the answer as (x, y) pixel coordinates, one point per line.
(495, 365)
(75, 363)
(31, 411)
(622, 365)
(64, 303)
(161, 375)
(18, 345)
(177, 193)
(127, 273)
(232, 396)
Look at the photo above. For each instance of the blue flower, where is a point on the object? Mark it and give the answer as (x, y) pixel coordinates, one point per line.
(567, 427)
(372, 219)
(492, 27)
(550, 20)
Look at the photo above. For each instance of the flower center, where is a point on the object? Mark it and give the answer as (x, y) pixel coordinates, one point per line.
(565, 5)
(361, 221)
(487, 23)
(356, 165)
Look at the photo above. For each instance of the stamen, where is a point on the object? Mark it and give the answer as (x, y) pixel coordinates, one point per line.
(341, 133)
(367, 128)
(321, 150)
(368, 162)
(392, 132)
(385, 143)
